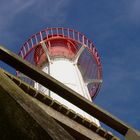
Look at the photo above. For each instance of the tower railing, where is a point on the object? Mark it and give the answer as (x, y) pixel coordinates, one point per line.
(56, 32)
(86, 61)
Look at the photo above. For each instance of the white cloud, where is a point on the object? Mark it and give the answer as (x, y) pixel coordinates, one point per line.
(133, 10)
(52, 10)
(18, 13)
(136, 9)
(8, 11)
(49, 10)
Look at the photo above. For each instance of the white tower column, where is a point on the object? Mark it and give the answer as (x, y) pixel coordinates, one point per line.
(68, 73)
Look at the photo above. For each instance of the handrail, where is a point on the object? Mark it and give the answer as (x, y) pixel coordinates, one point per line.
(67, 93)
(65, 32)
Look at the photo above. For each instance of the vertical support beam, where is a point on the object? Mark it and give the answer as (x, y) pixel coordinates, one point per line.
(75, 59)
(45, 50)
(48, 57)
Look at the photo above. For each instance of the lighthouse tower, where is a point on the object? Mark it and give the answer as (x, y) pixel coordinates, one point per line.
(69, 57)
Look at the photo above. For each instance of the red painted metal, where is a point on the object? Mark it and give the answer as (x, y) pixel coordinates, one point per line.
(63, 42)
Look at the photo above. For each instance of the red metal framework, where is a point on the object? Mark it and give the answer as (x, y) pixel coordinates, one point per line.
(88, 63)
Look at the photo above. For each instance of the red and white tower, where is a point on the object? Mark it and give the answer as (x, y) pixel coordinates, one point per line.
(69, 57)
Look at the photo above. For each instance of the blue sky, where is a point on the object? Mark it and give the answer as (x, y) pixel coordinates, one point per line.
(113, 26)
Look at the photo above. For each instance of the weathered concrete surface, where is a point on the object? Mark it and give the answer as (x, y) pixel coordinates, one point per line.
(16, 123)
(132, 135)
(62, 90)
(75, 124)
(75, 129)
(49, 82)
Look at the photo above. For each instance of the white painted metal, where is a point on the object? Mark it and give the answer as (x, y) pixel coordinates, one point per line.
(93, 81)
(45, 50)
(68, 73)
(75, 59)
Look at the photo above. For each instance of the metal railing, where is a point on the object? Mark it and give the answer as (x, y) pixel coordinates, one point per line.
(54, 32)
